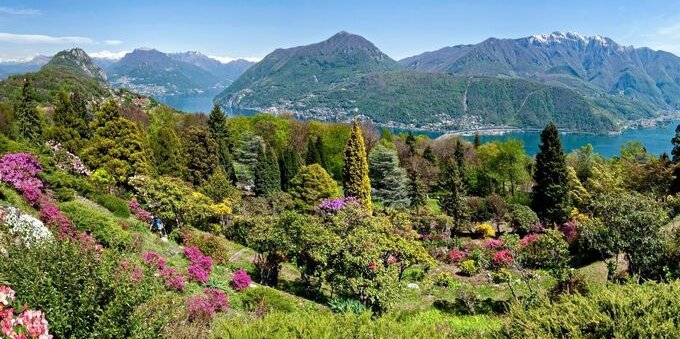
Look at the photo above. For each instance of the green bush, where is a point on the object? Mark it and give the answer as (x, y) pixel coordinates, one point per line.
(550, 251)
(468, 268)
(84, 294)
(615, 311)
(210, 244)
(117, 206)
(266, 300)
(106, 230)
(344, 305)
(523, 219)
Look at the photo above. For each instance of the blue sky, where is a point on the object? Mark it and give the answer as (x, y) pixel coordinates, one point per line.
(253, 28)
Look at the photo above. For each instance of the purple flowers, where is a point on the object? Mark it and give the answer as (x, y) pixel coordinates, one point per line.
(174, 280)
(240, 280)
(201, 265)
(494, 244)
(203, 307)
(332, 205)
(570, 231)
(137, 210)
(19, 170)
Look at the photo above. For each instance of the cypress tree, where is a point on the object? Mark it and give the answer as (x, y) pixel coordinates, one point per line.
(388, 180)
(201, 153)
(675, 153)
(428, 154)
(289, 165)
(452, 192)
(355, 172)
(267, 175)
(28, 117)
(217, 125)
(550, 193)
(478, 141)
(315, 152)
(411, 143)
(167, 152)
(459, 154)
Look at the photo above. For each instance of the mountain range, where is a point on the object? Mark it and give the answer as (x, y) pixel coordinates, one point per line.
(584, 83)
(154, 73)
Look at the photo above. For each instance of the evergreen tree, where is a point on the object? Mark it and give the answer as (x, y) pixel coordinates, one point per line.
(217, 125)
(83, 116)
(478, 141)
(289, 165)
(416, 190)
(167, 152)
(267, 175)
(675, 153)
(118, 145)
(388, 180)
(411, 143)
(428, 154)
(68, 124)
(355, 172)
(550, 193)
(201, 153)
(451, 197)
(386, 136)
(315, 152)
(459, 155)
(218, 187)
(28, 117)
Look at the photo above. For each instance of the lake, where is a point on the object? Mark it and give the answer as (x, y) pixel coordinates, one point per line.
(657, 140)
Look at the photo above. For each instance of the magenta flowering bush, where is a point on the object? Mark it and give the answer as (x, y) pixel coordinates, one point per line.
(240, 280)
(67, 161)
(28, 324)
(201, 265)
(138, 211)
(494, 244)
(456, 255)
(202, 308)
(19, 170)
(153, 258)
(570, 231)
(173, 279)
(332, 205)
(529, 239)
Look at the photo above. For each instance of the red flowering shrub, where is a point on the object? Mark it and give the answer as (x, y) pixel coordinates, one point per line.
(502, 258)
(456, 255)
(529, 239)
(570, 231)
(240, 280)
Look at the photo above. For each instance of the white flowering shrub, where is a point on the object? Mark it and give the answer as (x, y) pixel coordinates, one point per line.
(23, 227)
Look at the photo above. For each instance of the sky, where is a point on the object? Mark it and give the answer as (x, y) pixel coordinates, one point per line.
(253, 28)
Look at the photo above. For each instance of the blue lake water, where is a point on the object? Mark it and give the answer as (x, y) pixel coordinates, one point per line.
(657, 140)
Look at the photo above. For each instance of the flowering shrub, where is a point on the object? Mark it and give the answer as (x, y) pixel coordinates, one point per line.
(333, 205)
(570, 231)
(201, 265)
(152, 258)
(485, 230)
(28, 229)
(203, 307)
(502, 258)
(19, 170)
(173, 279)
(51, 215)
(67, 161)
(137, 210)
(494, 244)
(529, 239)
(240, 280)
(456, 255)
(28, 324)
(468, 268)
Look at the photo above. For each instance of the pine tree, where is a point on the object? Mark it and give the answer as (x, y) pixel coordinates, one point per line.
(416, 190)
(355, 172)
(289, 165)
(217, 125)
(478, 141)
(267, 175)
(68, 124)
(315, 152)
(550, 193)
(201, 153)
(675, 153)
(428, 154)
(451, 198)
(388, 180)
(167, 152)
(28, 117)
(411, 143)
(459, 155)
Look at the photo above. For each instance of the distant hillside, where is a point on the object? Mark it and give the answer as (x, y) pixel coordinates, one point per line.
(226, 72)
(70, 70)
(642, 78)
(347, 75)
(8, 68)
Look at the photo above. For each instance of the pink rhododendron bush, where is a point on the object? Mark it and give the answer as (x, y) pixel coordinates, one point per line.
(25, 324)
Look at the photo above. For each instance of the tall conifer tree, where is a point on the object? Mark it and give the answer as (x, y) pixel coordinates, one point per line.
(355, 172)
(550, 193)
(452, 192)
(28, 117)
(267, 175)
(217, 125)
(289, 165)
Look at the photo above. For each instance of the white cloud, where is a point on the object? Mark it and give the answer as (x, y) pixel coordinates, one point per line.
(112, 42)
(226, 59)
(42, 39)
(19, 11)
(109, 55)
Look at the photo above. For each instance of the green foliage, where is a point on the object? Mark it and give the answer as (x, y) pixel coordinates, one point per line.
(289, 166)
(267, 174)
(522, 218)
(101, 225)
(355, 180)
(83, 294)
(388, 180)
(29, 120)
(452, 192)
(217, 125)
(218, 187)
(202, 154)
(70, 121)
(550, 251)
(344, 305)
(311, 185)
(117, 145)
(468, 268)
(617, 311)
(265, 300)
(117, 206)
(167, 152)
(550, 194)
